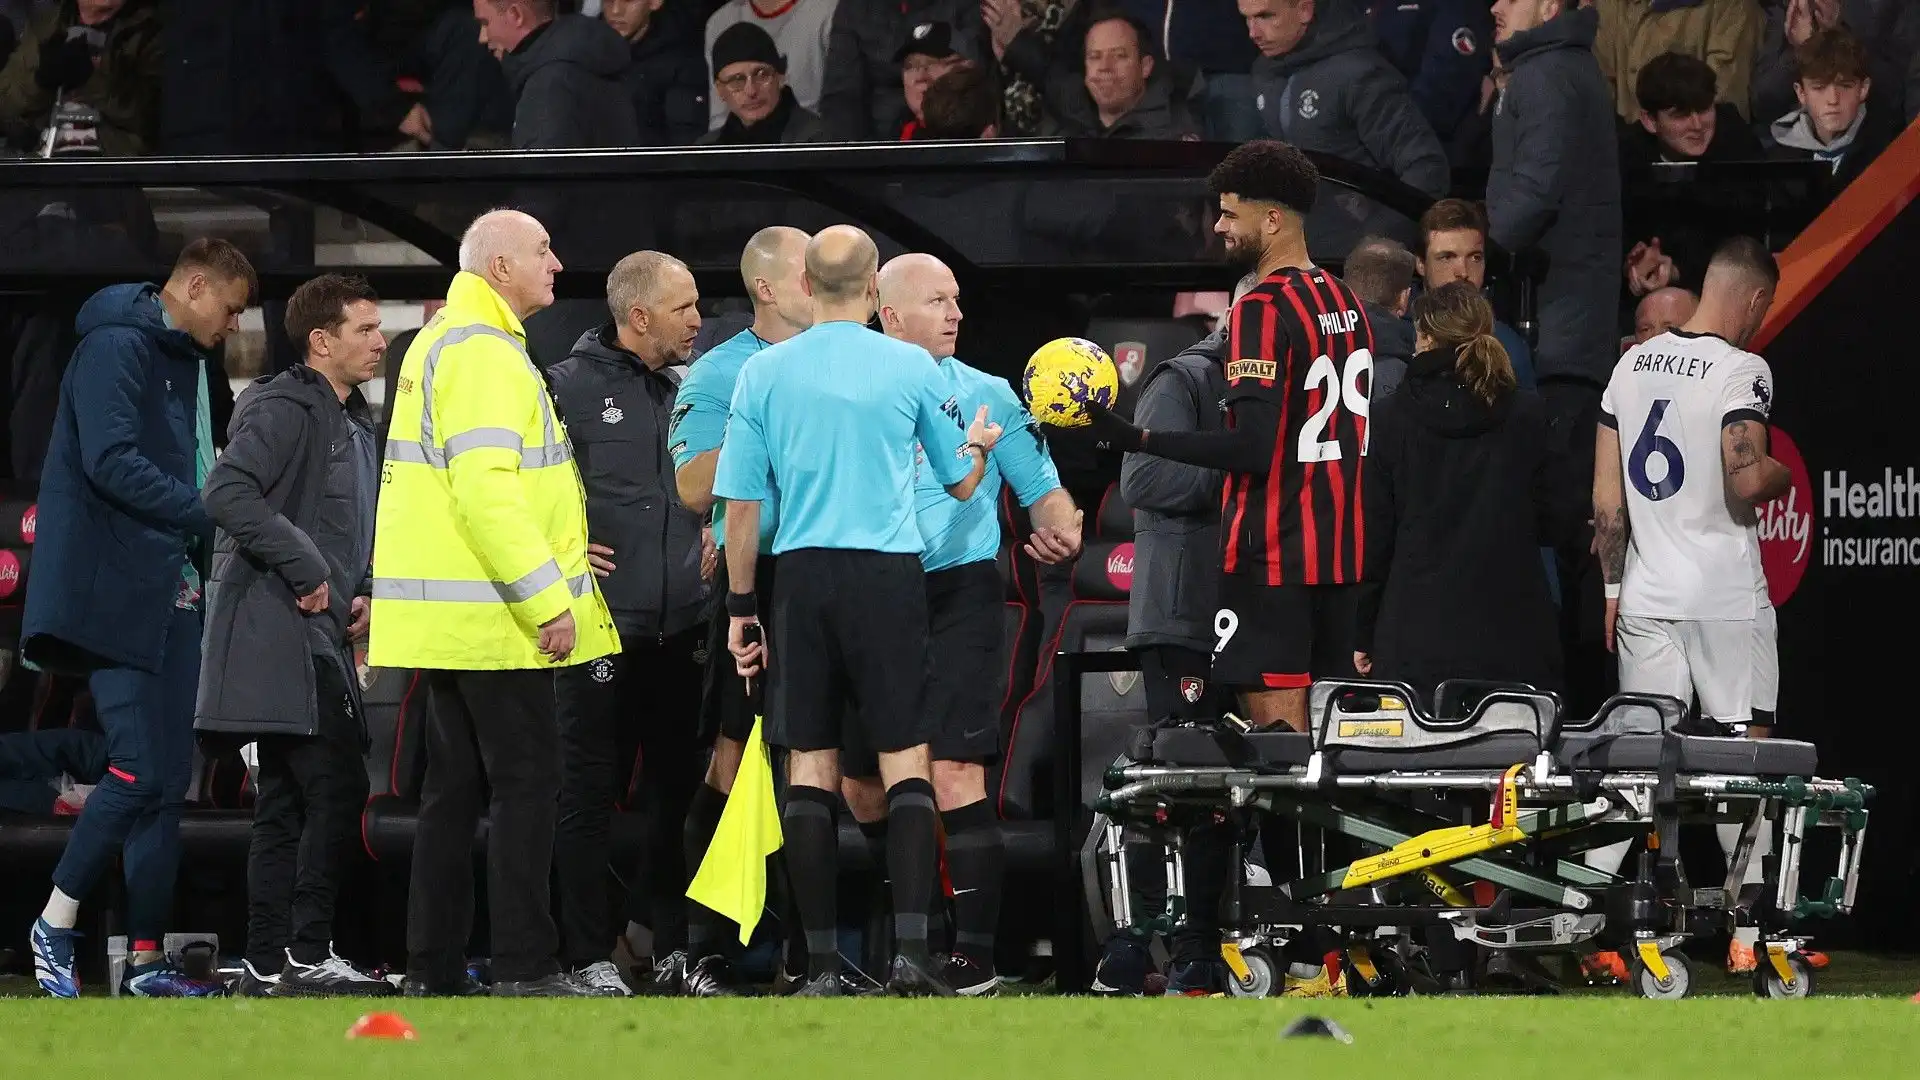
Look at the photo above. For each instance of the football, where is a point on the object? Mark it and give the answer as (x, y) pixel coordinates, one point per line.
(1066, 373)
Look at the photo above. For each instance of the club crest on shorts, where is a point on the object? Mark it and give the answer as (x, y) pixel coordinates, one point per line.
(1192, 689)
(601, 670)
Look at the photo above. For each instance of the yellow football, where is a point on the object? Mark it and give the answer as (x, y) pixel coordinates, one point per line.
(1066, 373)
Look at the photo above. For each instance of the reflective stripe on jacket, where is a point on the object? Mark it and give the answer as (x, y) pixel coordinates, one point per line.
(481, 535)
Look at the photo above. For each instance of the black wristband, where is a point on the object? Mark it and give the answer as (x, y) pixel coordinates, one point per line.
(742, 605)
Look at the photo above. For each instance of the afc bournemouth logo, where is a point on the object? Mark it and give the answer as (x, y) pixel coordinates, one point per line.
(1309, 103)
(1786, 523)
(29, 521)
(1463, 42)
(601, 670)
(1123, 682)
(1192, 690)
(1120, 567)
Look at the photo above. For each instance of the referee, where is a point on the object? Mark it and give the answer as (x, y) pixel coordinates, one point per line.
(828, 419)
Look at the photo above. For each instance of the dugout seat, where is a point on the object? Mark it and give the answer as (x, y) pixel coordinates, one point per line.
(1162, 338)
(1094, 619)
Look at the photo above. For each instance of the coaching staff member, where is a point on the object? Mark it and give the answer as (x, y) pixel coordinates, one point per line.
(116, 588)
(967, 668)
(829, 418)
(481, 580)
(616, 393)
(772, 267)
(294, 495)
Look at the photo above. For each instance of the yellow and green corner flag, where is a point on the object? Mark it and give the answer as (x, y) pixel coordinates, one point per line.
(733, 877)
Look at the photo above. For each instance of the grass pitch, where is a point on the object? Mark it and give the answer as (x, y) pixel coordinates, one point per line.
(1601, 1035)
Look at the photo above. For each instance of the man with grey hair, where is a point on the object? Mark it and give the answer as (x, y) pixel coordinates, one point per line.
(1381, 272)
(1170, 609)
(616, 391)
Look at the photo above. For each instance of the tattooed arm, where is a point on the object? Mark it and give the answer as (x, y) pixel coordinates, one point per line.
(1610, 528)
(1752, 476)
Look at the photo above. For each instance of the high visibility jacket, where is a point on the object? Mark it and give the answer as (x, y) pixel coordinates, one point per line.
(481, 535)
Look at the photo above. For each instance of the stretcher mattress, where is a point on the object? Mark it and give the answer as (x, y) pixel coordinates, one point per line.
(1201, 748)
(1698, 754)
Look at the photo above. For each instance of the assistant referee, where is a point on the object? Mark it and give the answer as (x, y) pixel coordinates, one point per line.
(829, 419)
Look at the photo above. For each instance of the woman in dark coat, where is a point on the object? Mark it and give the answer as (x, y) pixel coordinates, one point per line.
(1461, 494)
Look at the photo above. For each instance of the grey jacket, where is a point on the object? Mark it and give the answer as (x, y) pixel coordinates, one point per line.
(1337, 95)
(1555, 186)
(288, 476)
(1158, 116)
(1176, 508)
(567, 89)
(1392, 349)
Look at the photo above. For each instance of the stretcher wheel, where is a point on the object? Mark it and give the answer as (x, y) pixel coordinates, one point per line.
(1384, 982)
(1263, 976)
(1678, 984)
(1767, 984)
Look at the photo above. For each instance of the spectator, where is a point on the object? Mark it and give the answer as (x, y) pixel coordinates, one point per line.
(1380, 272)
(799, 29)
(1679, 120)
(1462, 489)
(1120, 96)
(464, 96)
(1724, 33)
(1555, 186)
(751, 79)
(1660, 311)
(50, 773)
(666, 71)
(1321, 85)
(117, 588)
(961, 105)
(928, 53)
(565, 72)
(262, 76)
(1207, 38)
(1453, 238)
(1028, 38)
(861, 98)
(101, 54)
(1835, 123)
(1890, 29)
(1443, 47)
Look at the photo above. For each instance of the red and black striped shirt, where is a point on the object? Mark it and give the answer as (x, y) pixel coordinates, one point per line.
(1300, 341)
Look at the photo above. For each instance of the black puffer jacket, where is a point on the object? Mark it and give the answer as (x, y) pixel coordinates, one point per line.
(617, 412)
(1461, 495)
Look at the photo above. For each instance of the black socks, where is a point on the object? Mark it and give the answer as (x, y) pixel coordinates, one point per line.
(912, 862)
(703, 817)
(813, 867)
(976, 862)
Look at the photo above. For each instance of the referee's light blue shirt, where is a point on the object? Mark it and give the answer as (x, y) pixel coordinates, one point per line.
(829, 419)
(700, 421)
(957, 533)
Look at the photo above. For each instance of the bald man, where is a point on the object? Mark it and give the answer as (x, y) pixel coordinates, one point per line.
(771, 268)
(1662, 310)
(966, 672)
(829, 419)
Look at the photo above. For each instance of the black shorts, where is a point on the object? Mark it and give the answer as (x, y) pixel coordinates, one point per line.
(966, 668)
(1281, 637)
(848, 626)
(725, 708)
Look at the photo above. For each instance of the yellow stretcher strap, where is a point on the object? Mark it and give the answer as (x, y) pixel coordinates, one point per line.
(1441, 846)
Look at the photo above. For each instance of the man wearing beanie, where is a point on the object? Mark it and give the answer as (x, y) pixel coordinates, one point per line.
(750, 79)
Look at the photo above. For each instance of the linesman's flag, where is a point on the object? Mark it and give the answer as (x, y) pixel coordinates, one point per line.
(733, 877)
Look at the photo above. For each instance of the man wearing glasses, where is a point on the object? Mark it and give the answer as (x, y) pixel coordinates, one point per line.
(749, 77)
